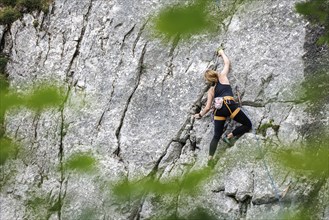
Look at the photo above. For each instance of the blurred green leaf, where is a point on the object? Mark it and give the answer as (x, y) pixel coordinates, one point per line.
(9, 101)
(315, 88)
(43, 97)
(8, 149)
(313, 159)
(4, 85)
(80, 162)
(198, 213)
(192, 180)
(37, 99)
(185, 20)
(317, 12)
(188, 184)
(3, 63)
(301, 214)
(8, 2)
(193, 17)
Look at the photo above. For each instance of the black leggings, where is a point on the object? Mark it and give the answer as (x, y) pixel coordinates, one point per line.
(219, 125)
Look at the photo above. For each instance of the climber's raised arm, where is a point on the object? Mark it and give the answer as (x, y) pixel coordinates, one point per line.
(226, 68)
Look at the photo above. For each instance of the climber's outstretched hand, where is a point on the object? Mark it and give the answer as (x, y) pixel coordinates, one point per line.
(220, 52)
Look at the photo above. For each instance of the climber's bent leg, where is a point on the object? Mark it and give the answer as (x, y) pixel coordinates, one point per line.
(245, 121)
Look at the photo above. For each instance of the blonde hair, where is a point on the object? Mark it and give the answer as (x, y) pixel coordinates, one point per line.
(211, 76)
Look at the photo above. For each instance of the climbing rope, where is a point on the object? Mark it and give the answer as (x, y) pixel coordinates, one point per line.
(274, 186)
(276, 191)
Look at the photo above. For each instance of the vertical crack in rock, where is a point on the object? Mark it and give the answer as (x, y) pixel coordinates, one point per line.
(7, 34)
(35, 125)
(265, 83)
(135, 215)
(16, 131)
(99, 123)
(138, 78)
(108, 106)
(288, 114)
(231, 13)
(82, 34)
(126, 35)
(171, 55)
(188, 67)
(13, 38)
(170, 62)
(4, 76)
(3, 39)
(138, 36)
(48, 49)
(243, 207)
(187, 127)
(63, 182)
(43, 18)
(61, 194)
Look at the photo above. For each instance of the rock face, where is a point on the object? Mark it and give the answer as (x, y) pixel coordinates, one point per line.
(129, 102)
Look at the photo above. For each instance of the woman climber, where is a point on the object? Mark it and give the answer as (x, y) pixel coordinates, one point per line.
(221, 95)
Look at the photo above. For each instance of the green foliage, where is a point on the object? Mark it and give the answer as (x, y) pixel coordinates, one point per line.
(4, 84)
(35, 23)
(40, 98)
(56, 207)
(317, 12)
(3, 63)
(44, 97)
(32, 5)
(8, 15)
(41, 207)
(195, 17)
(80, 162)
(8, 2)
(315, 88)
(185, 20)
(13, 9)
(8, 149)
(313, 159)
(9, 101)
(263, 128)
(188, 184)
(302, 214)
(198, 213)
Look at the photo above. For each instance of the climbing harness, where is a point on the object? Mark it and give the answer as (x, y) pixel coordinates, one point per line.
(232, 114)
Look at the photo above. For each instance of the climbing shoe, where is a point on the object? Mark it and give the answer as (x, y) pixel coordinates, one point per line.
(227, 141)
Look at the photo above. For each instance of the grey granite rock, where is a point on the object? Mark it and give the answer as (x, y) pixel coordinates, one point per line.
(129, 102)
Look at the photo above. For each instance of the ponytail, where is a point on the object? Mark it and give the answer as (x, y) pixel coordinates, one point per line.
(211, 76)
